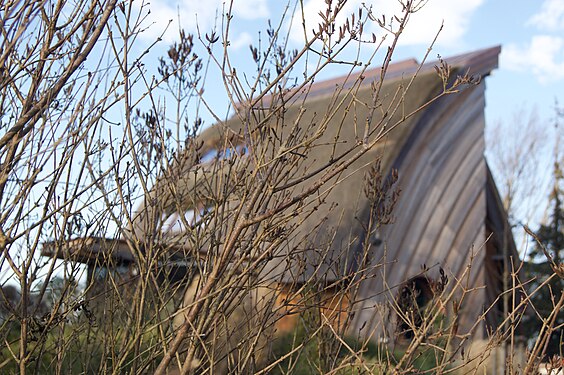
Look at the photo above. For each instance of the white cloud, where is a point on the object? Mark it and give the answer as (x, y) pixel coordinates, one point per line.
(194, 14)
(550, 17)
(243, 40)
(543, 57)
(251, 9)
(422, 25)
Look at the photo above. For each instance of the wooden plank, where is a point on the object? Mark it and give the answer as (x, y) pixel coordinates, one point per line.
(456, 201)
(425, 186)
(89, 250)
(458, 184)
(443, 185)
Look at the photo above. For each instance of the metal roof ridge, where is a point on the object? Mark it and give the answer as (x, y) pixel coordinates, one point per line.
(479, 62)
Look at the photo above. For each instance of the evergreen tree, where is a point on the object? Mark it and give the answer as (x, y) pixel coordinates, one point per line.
(549, 240)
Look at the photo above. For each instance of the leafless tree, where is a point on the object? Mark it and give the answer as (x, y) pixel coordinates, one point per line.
(190, 247)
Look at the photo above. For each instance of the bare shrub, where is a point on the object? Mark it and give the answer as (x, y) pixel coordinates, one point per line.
(185, 250)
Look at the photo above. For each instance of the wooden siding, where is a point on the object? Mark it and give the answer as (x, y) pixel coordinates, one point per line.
(440, 216)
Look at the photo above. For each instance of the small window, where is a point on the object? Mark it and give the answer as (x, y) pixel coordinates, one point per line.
(118, 271)
(176, 223)
(209, 156)
(228, 153)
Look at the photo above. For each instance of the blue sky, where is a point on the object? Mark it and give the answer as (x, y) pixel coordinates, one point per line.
(529, 79)
(531, 33)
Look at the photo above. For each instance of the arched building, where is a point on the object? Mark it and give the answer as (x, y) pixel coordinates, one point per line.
(447, 222)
